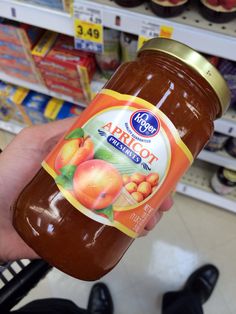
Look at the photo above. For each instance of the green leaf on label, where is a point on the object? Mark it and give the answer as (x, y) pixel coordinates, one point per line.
(68, 171)
(76, 133)
(103, 154)
(66, 178)
(108, 211)
(64, 182)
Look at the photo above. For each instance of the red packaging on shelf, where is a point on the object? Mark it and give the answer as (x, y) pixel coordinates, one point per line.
(61, 78)
(76, 93)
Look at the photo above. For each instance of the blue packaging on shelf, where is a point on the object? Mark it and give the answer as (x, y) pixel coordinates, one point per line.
(34, 105)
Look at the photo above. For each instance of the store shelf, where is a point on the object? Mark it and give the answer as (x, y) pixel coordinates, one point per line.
(189, 27)
(227, 125)
(220, 158)
(38, 88)
(196, 184)
(10, 127)
(53, 20)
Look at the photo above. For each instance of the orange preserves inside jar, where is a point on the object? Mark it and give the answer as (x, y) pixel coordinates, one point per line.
(126, 152)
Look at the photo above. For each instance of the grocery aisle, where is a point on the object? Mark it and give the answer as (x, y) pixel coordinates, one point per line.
(44, 78)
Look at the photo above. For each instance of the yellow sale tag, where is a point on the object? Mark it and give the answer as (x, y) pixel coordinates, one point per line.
(166, 31)
(142, 40)
(88, 31)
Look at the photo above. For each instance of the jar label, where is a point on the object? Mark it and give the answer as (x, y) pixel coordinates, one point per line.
(119, 161)
(167, 3)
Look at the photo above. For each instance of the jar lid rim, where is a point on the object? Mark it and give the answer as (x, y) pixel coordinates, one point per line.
(197, 62)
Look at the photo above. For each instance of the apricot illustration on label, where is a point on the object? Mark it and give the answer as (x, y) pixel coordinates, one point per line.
(140, 186)
(116, 162)
(97, 184)
(76, 150)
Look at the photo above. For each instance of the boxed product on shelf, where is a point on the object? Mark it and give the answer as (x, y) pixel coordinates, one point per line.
(56, 54)
(15, 62)
(20, 33)
(66, 89)
(19, 74)
(27, 107)
(11, 48)
(50, 76)
(57, 109)
(16, 41)
(34, 105)
(10, 104)
(41, 108)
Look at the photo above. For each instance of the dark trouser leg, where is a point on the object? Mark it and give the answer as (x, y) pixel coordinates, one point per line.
(50, 306)
(181, 302)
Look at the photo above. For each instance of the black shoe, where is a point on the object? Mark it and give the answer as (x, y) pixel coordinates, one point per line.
(100, 301)
(203, 281)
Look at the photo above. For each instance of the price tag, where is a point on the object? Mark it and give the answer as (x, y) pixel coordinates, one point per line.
(142, 40)
(151, 30)
(88, 28)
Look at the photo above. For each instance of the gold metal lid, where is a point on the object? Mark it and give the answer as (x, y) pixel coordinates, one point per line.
(196, 61)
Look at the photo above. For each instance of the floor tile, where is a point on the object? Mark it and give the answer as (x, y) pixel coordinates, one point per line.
(209, 226)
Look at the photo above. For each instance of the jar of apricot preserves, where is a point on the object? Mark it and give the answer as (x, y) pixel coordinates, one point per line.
(108, 175)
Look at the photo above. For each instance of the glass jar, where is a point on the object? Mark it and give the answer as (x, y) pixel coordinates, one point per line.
(168, 8)
(129, 3)
(108, 175)
(223, 12)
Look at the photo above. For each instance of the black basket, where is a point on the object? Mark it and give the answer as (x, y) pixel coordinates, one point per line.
(17, 279)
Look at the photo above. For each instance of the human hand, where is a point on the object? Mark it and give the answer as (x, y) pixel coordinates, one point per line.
(19, 162)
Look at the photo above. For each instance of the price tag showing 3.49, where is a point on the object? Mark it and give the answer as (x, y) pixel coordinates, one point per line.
(88, 28)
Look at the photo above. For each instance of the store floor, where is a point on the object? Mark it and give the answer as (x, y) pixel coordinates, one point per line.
(191, 234)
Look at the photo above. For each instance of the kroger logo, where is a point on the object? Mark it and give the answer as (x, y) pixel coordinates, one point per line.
(145, 123)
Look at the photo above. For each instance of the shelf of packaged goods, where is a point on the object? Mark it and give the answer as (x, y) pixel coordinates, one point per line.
(189, 27)
(11, 127)
(220, 158)
(38, 88)
(40, 16)
(226, 125)
(196, 184)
